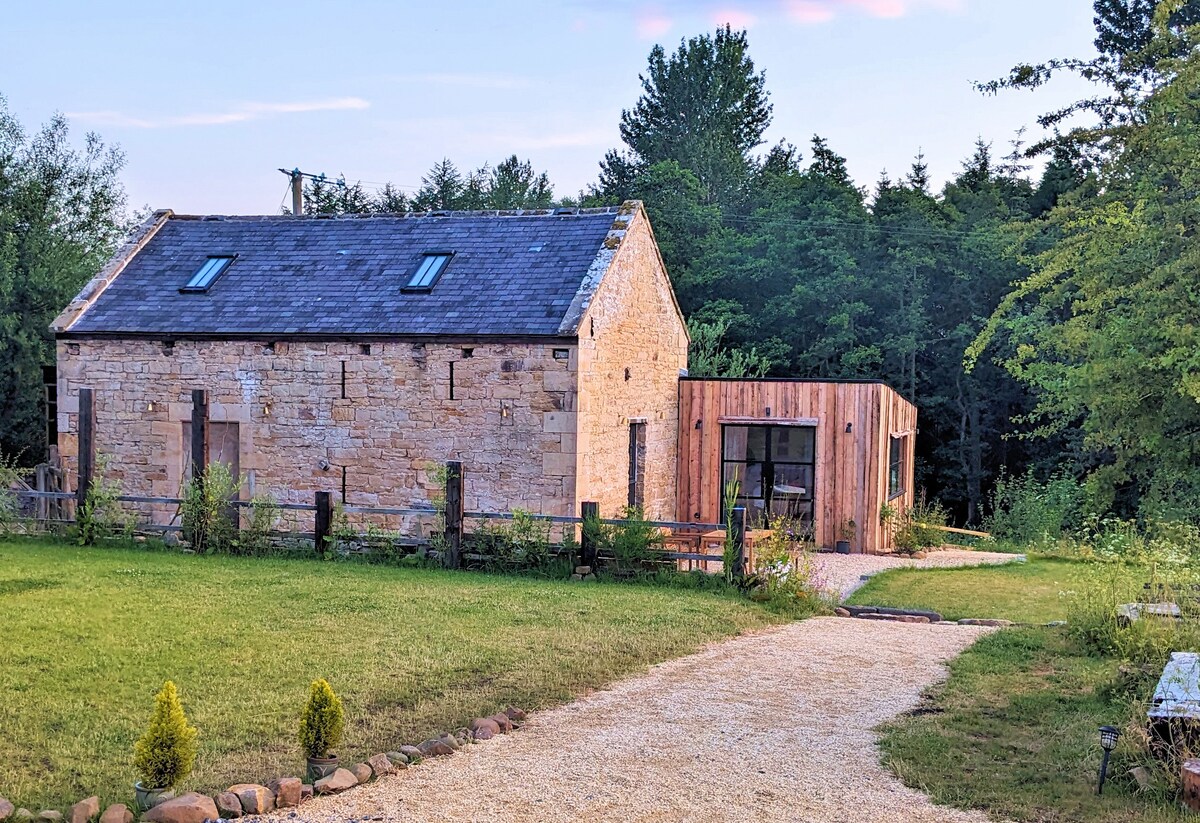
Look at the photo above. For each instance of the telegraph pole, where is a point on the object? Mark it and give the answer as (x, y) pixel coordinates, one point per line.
(297, 178)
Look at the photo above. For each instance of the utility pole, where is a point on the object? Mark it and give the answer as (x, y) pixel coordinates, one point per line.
(297, 178)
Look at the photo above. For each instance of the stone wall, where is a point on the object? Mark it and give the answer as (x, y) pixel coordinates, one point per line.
(511, 419)
(632, 346)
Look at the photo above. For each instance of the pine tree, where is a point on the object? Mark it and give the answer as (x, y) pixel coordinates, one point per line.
(166, 753)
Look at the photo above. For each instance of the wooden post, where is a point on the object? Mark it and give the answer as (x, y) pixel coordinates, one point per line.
(323, 523)
(587, 546)
(454, 514)
(87, 448)
(738, 522)
(199, 434)
(1190, 775)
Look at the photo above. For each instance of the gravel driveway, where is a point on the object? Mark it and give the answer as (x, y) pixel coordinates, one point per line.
(842, 574)
(774, 726)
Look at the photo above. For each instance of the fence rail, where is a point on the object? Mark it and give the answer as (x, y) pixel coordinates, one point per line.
(687, 535)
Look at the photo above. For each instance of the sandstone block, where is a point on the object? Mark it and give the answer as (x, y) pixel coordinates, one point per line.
(189, 808)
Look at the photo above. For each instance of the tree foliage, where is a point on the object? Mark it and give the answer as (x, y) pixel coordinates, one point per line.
(62, 213)
(165, 754)
(323, 720)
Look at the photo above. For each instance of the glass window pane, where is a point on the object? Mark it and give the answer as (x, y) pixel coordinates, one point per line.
(793, 482)
(735, 442)
(756, 443)
(748, 476)
(792, 444)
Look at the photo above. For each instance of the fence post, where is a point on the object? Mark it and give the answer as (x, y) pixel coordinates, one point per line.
(323, 522)
(587, 545)
(738, 522)
(199, 434)
(454, 514)
(87, 448)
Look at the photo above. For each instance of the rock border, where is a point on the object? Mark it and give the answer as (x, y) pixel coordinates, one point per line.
(250, 799)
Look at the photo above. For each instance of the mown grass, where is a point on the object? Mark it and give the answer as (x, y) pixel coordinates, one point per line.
(1013, 731)
(1035, 591)
(89, 635)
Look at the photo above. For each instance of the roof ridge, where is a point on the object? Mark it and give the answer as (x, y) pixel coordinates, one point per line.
(565, 211)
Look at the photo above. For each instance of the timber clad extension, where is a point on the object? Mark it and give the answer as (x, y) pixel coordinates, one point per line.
(544, 350)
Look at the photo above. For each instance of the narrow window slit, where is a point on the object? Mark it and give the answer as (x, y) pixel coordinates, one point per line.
(451, 379)
(343, 379)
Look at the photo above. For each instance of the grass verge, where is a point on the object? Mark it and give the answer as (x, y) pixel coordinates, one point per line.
(91, 634)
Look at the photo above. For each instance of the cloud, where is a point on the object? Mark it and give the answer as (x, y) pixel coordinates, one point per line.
(238, 114)
(651, 25)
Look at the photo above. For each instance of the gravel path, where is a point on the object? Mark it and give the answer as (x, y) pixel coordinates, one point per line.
(774, 726)
(842, 574)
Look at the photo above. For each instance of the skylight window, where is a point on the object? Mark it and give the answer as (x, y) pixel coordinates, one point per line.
(431, 268)
(207, 274)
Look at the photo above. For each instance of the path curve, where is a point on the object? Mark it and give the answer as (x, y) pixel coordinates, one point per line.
(773, 726)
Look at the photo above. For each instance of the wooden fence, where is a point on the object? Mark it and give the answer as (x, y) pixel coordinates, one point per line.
(686, 545)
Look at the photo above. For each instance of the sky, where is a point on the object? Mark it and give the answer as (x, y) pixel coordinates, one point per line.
(208, 100)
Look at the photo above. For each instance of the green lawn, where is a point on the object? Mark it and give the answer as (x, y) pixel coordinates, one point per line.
(1013, 730)
(1032, 592)
(89, 635)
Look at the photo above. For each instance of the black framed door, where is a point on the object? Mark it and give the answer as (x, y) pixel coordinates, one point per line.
(774, 467)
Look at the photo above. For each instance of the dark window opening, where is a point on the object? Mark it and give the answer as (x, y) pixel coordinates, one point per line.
(269, 348)
(208, 273)
(451, 379)
(364, 348)
(468, 353)
(774, 468)
(897, 468)
(628, 374)
(343, 379)
(562, 354)
(343, 485)
(168, 347)
(428, 271)
(50, 388)
(637, 464)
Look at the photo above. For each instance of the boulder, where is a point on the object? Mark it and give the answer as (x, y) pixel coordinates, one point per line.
(934, 617)
(413, 753)
(514, 713)
(286, 790)
(485, 723)
(255, 799)
(85, 810)
(577, 577)
(339, 781)
(381, 765)
(6, 809)
(189, 808)
(229, 805)
(451, 741)
(306, 792)
(462, 734)
(117, 813)
(361, 772)
(582, 570)
(49, 816)
(22, 815)
(895, 618)
(484, 733)
(435, 748)
(504, 722)
(984, 621)
(840, 612)
(398, 759)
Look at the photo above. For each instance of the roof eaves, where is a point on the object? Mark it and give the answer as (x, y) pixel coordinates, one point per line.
(116, 264)
(623, 218)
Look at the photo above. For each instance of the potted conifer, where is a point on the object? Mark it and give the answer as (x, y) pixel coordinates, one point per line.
(166, 752)
(321, 727)
(846, 532)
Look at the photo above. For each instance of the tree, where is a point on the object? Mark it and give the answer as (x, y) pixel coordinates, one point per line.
(708, 357)
(513, 184)
(62, 213)
(440, 189)
(703, 107)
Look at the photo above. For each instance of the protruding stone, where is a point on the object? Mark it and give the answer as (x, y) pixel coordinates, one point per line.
(840, 612)
(503, 721)
(189, 808)
(255, 799)
(413, 753)
(339, 781)
(6, 809)
(483, 733)
(49, 816)
(485, 723)
(381, 765)
(117, 813)
(85, 810)
(514, 713)
(22, 815)
(451, 741)
(435, 748)
(286, 790)
(229, 805)
(361, 771)
(306, 792)
(984, 621)
(582, 570)
(398, 759)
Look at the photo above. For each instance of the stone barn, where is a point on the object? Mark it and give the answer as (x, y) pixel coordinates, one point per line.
(350, 353)
(545, 350)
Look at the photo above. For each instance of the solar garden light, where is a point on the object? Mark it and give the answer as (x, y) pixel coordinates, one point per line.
(1108, 742)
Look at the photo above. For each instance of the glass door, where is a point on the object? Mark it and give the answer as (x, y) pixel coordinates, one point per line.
(774, 469)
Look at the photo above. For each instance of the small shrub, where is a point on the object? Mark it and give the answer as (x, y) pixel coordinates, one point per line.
(633, 543)
(784, 575)
(101, 514)
(262, 517)
(1033, 512)
(10, 504)
(209, 522)
(520, 544)
(323, 721)
(166, 753)
(916, 527)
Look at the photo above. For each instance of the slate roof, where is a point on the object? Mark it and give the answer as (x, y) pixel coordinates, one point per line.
(512, 274)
